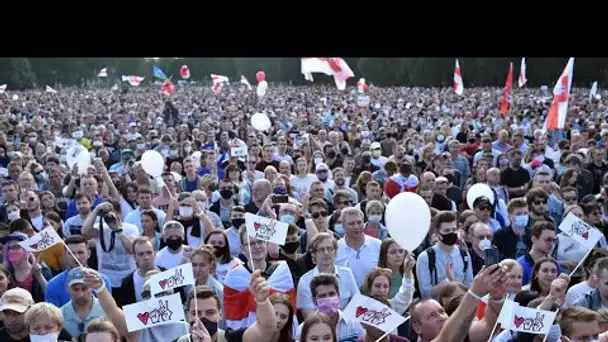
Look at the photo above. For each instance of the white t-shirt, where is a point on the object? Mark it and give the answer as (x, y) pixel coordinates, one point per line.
(168, 260)
(299, 185)
(576, 292)
(117, 263)
(138, 286)
(222, 269)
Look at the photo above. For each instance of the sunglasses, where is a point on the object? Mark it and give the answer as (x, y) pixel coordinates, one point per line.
(317, 214)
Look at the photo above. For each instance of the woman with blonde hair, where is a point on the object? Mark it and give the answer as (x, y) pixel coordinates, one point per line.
(204, 264)
(44, 322)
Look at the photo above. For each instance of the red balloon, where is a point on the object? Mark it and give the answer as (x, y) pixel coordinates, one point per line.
(365, 88)
(260, 76)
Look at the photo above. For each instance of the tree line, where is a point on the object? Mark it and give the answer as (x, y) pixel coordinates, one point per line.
(24, 73)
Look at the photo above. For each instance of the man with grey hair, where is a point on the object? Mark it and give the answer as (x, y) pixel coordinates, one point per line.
(356, 250)
(260, 190)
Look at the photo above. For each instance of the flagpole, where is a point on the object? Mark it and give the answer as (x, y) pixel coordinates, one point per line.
(388, 332)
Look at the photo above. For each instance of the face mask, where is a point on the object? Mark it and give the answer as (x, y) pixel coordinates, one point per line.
(40, 177)
(237, 222)
(374, 218)
(50, 337)
(328, 305)
(226, 194)
(141, 146)
(62, 158)
(231, 135)
(16, 256)
(366, 159)
(288, 218)
(339, 229)
(485, 244)
(279, 190)
(32, 141)
(188, 149)
(13, 215)
(291, 247)
(318, 160)
(521, 221)
(175, 244)
(218, 251)
(449, 239)
(209, 325)
(503, 162)
(185, 211)
(173, 153)
(331, 154)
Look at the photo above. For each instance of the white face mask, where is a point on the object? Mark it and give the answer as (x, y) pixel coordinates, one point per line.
(51, 337)
(185, 211)
(13, 215)
(485, 244)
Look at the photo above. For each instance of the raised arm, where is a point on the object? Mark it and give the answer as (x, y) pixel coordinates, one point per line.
(266, 322)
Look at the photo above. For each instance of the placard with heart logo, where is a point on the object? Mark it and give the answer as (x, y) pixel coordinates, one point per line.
(154, 312)
(580, 231)
(528, 320)
(182, 275)
(369, 311)
(47, 238)
(266, 229)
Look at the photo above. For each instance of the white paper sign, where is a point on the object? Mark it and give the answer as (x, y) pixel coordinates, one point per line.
(580, 231)
(238, 152)
(527, 320)
(154, 312)
(45, 239)
(179, 276)
(266, 229)
(363, 101)
(370, 311)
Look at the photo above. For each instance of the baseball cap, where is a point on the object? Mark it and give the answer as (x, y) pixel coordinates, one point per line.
(75, 276)
(321, 167)
(16, 299)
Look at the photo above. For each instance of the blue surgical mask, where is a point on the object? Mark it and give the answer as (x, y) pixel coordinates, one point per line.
(374, 218)
(288, 218)
(521, 221)
(339, 229)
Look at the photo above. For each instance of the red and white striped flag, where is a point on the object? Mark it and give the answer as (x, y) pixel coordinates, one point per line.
(218, 82)
(133, 80)
(458, 85)
(504, 107)
(103, 72)
(308, 77)
(556, 118)
(334, 66)
(167, 88)
(240, 305)
(245, 82)
(362, 86)
(522, 73)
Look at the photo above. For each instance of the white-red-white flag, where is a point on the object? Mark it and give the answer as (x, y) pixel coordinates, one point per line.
(362, 86)
(458, 84)
(133, 80)
(184, 72)
(103, 72)
(522, 73)
(218, 82)
(331, 66)
(245, 82)
(556, 118)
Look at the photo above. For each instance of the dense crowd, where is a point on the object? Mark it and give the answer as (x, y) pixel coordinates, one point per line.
(328, 166)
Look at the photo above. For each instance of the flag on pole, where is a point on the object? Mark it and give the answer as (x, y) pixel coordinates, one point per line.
(504, 107)
(156, 72)
(335, 67)
(103, 73)
(245, 82)
(556, 118)
(458, 84)
(593, 92)
(522, 73)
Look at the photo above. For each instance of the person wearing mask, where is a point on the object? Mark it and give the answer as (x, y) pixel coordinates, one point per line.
(481, 239)
(357, 250)
(194, 220)
(543, 241)
(82, 308)
(114, 241)
(225, 261)
(322, 171)
(133, 284)
(10, 195)
(513, 241)
(223, 207)
(325, 295)
(288, 252)
(443, 260)
(57, 289)
(483, 207)
(144, 199)
(171, 255)
(374, 226)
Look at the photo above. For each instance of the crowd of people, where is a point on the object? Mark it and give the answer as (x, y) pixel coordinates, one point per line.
(328, 166)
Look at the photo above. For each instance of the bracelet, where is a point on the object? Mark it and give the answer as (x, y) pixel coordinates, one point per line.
(474, 295)
(101, 288)
(497, 300)
(262, 303)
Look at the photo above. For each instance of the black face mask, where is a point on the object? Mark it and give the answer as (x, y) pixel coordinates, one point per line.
(331, 154)
(175, 244)
(291, 247)
(218, 251)
(226, 194)
(231, 135)
(209, 325)
(449, 239)
(471, 141)
(237, 222)
(366, 159)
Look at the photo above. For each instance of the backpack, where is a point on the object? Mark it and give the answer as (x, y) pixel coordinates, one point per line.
(430, 252)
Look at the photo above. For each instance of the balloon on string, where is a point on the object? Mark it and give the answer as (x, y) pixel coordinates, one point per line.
(260, 122)
(260, 76)
(478, 190)
(78, 155)
(261, 89)
(153, 163)
(408, 219)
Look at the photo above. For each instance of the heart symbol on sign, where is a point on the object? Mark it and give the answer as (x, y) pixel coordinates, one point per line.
(144, 317)
(360, 311)
(256, 226)
(34, 246)
(585, 235)
(163, 283)
(518, 321)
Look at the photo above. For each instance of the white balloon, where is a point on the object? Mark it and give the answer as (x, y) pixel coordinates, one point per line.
(176, 176)
(15, 97)
(153, 163)
(478, 190)
(408, 219)
(260, 122)
(78, 155)
(261, 90)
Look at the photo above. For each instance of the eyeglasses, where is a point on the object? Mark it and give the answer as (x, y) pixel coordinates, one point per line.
(316, 215)
(484, 208)
(570, 199)
(540, 202)
(327, 250)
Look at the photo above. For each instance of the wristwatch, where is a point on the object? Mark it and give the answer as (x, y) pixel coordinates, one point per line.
(118, 231)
